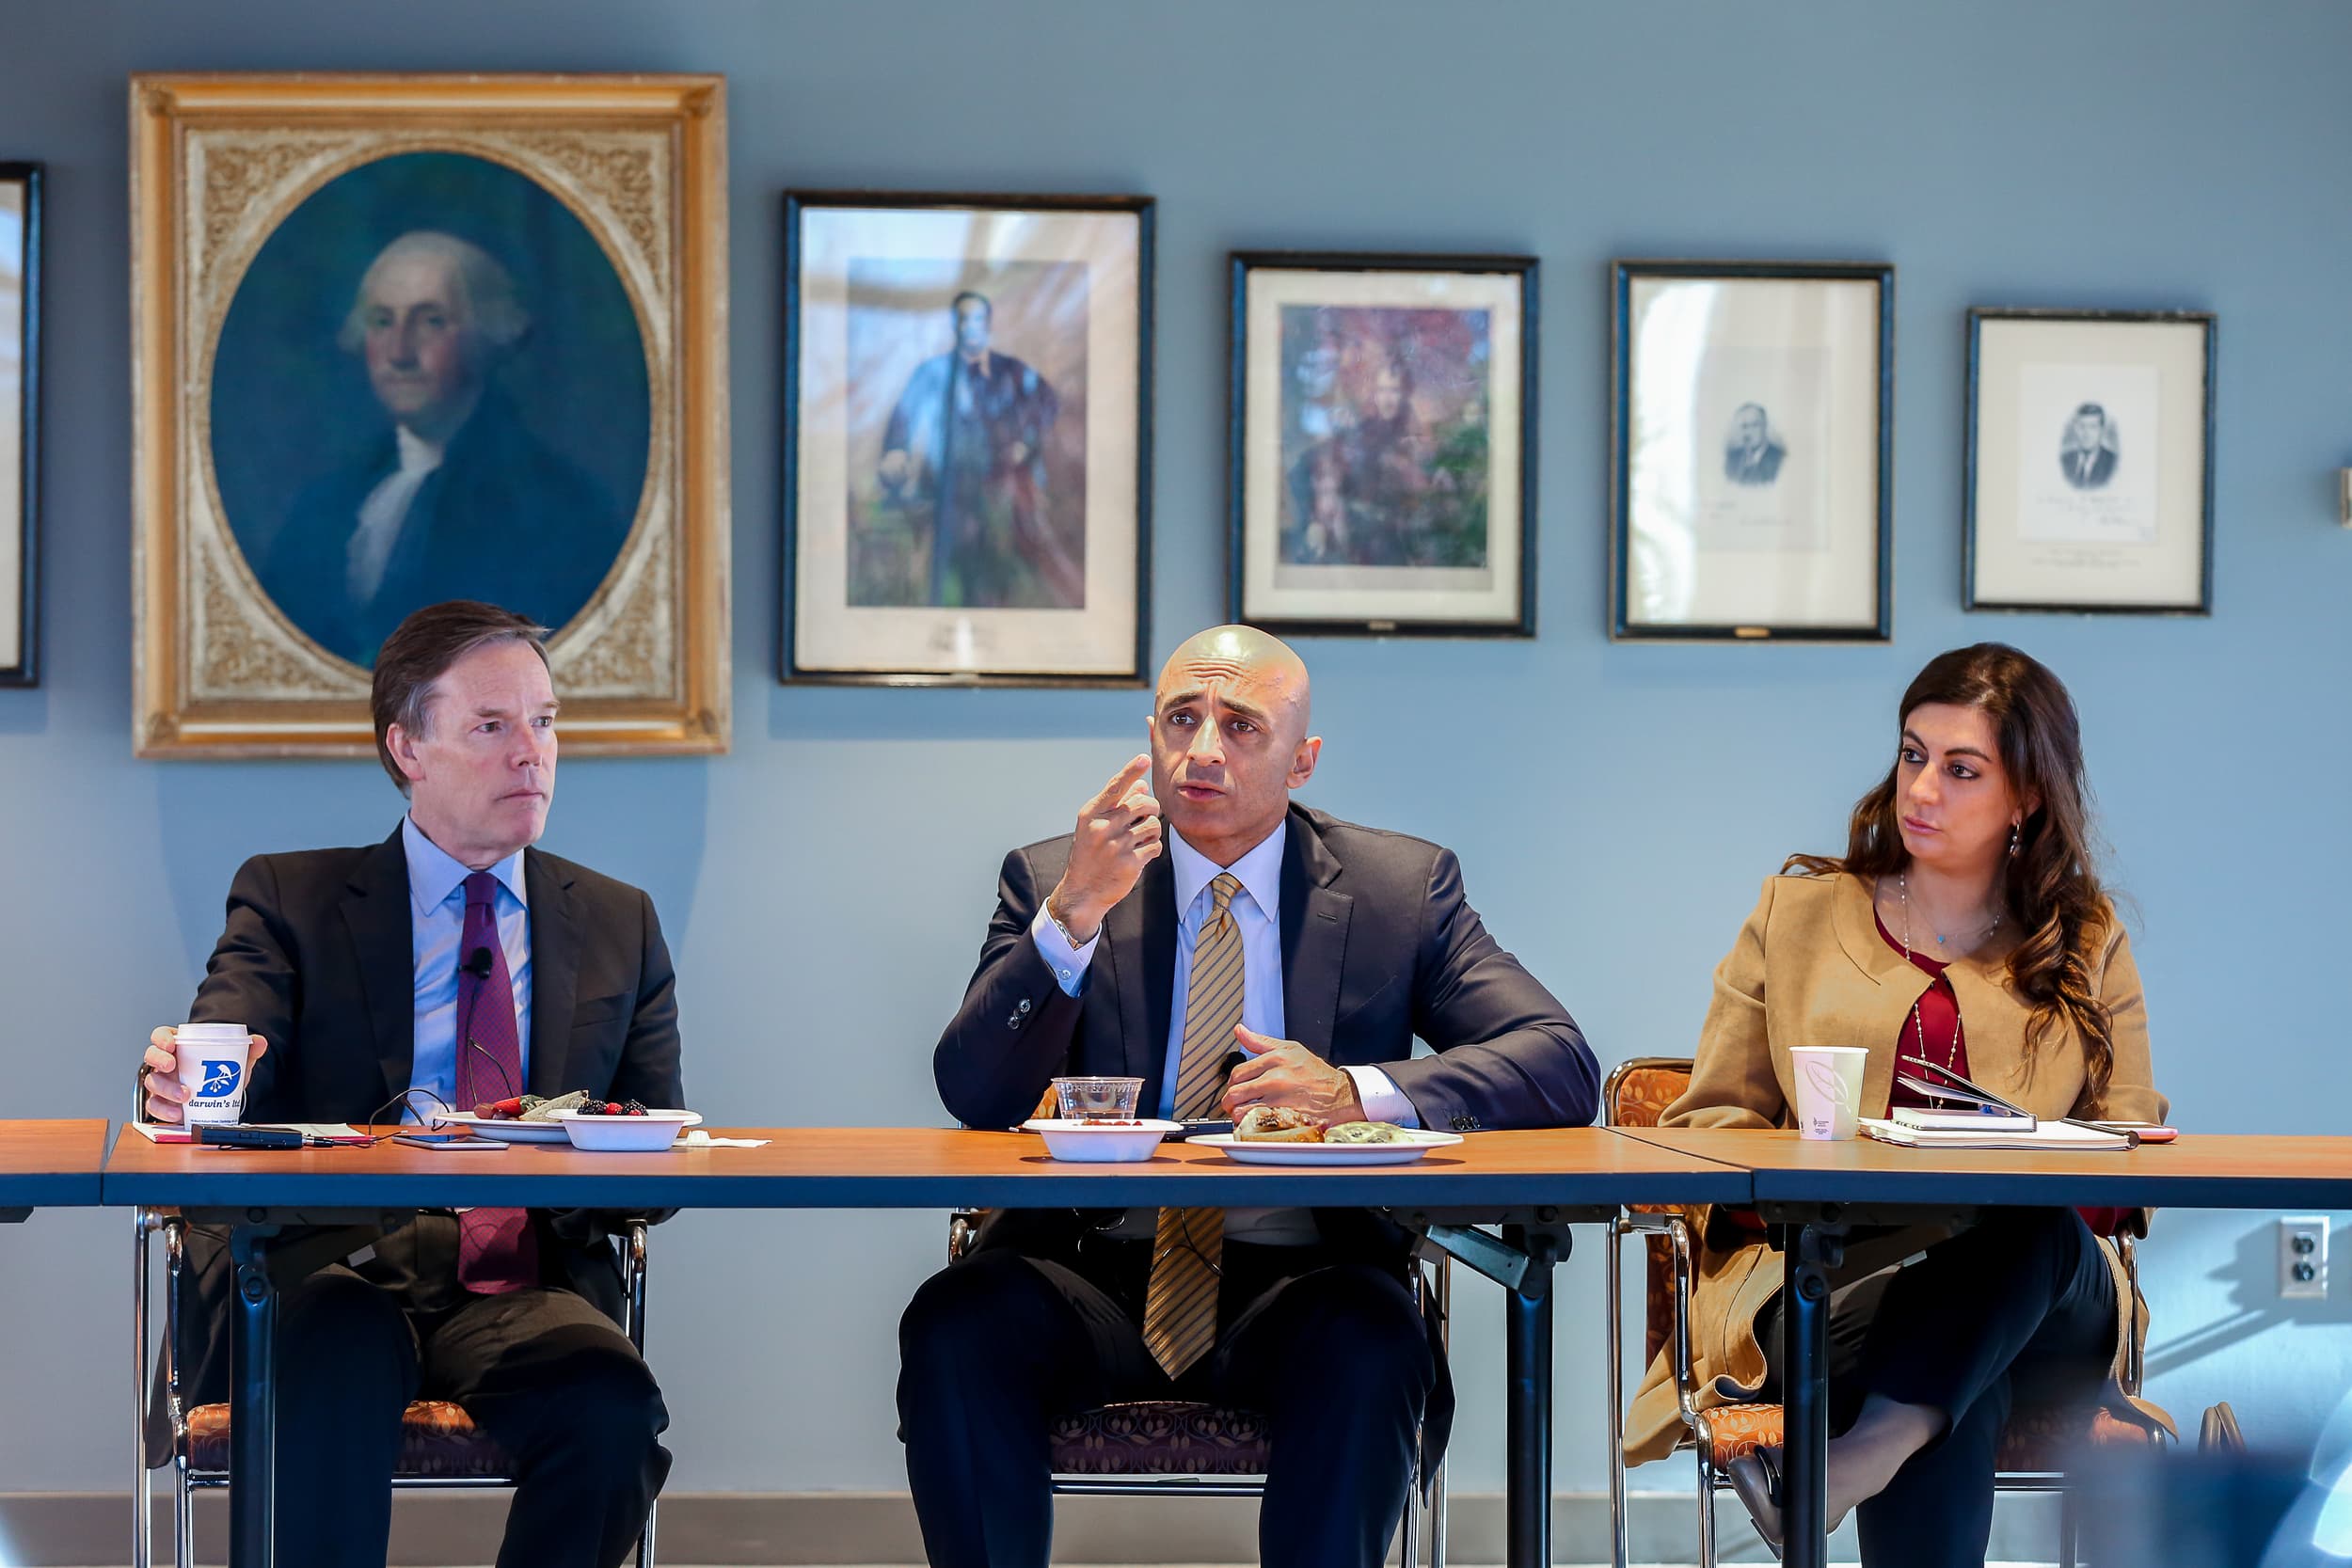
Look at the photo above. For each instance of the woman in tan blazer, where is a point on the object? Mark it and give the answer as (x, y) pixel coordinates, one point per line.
(1965, 926)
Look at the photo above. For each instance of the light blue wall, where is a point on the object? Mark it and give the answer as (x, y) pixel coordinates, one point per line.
(824, 886)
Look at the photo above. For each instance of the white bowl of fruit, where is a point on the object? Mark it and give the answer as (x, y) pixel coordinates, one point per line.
(623, 1126)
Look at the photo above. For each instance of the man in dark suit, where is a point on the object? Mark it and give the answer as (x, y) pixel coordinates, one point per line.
(1753, 453)
(1319, 949)
(457, 497)
(2087, 457)
(967, 441)
(450, 961)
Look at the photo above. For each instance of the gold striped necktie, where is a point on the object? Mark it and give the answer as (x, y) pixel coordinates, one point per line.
(1188, 1245)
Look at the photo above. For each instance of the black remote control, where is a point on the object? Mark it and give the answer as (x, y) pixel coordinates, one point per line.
(235, 1135)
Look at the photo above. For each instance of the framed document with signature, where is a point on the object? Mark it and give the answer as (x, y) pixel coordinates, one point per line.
(2089, 468)
(1754, 409)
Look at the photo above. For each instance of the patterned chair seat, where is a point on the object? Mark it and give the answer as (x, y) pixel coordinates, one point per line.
(1159, 1438)
(436, 1438)
(2044, 1438)
(2036, 1440)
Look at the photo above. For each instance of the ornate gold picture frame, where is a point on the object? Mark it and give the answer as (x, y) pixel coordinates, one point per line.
(405, 339)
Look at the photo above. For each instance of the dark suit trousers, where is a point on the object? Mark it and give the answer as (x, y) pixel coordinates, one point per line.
(1333, 1353)
(542, 1371)
(2023, 1296)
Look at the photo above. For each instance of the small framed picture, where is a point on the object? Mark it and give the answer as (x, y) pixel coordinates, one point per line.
(1383, 444)
(1753, 415)
(2089, 467)
(967, 439)
(20, 388)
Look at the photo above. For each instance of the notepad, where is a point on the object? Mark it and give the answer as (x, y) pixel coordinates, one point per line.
(1923, 1120)
(2053, 1136)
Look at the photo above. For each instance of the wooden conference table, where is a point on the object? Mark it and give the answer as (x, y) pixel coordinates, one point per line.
(49, 1163)
(1534, 1184)
(1812, 1193)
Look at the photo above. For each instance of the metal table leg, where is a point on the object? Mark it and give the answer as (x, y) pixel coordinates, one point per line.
(1527, 1331)
(1808, 1252)
(253, 1395)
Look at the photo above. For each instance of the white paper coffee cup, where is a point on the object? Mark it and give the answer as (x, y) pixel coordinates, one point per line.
(1829, 1088)
(214, 1059)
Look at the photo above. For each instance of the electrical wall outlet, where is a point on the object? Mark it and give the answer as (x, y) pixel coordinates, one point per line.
(2303, 1256)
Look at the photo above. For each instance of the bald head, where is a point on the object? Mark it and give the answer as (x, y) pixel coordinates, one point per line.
(1228, 738)
(1257, 666)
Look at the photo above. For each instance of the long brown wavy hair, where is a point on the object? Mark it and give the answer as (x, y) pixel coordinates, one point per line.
(2049, 888)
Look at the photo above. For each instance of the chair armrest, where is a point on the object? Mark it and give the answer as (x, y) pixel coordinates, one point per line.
(2127, 1250)
(630, 1240)
(1676, 1232)
(175, 1231)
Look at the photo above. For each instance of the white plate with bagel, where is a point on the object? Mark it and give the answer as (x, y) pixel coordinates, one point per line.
(1270, 1136)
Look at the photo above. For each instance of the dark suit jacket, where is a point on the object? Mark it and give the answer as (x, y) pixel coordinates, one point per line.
(1763, 468)
(504, 518)
(2102, 467)
(317, 958)
(1379, 945)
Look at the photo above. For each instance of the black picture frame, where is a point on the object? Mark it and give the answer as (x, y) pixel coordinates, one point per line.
(792, 668)
(1248, 543)
(24, 669)
(1624, 625)
(1974, 502)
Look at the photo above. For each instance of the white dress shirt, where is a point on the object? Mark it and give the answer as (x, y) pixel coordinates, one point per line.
(436, 915)
(1257, 912)
(384, 510)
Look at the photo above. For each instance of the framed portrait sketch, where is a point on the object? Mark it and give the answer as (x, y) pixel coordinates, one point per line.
(2090, 473)
(20, 411)
(1383, 443)
(405, 339)
(967, 439)
(1752, 451)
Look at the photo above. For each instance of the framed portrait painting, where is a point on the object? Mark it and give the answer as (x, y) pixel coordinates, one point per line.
(19, 410)
(1752, 451)
(1383, 443)
(968, 450)
(2090, 473)
(398, 340)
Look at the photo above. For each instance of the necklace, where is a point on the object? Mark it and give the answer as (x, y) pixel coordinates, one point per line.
(1903, 890)
(1918, 1024)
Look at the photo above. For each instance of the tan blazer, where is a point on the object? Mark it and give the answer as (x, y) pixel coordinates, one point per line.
(1811, 969)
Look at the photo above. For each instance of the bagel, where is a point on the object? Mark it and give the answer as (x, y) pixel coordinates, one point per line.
(1277, 1124)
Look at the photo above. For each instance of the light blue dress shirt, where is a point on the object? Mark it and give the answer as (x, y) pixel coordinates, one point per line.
(1257, 908)
(436, 915)
(1257, 911)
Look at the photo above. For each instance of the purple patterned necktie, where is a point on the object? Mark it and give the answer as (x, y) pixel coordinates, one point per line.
(496, 1250)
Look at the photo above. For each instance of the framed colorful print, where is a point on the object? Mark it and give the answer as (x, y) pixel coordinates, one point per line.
(1752, 450)
(2090, 484)
(1383, 444)
(20, 424)
(967, 439)
(405, 339)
